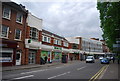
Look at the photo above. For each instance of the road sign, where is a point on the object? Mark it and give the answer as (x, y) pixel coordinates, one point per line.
(116, 45)
(118, 42)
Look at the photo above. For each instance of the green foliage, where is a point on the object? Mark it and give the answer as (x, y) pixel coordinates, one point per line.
(110, 21)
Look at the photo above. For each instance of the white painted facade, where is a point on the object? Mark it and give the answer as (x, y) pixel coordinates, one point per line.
(34, 22)
(72, 40)
(33, 44)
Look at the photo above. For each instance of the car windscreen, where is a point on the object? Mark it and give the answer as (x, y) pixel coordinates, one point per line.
(89, 57)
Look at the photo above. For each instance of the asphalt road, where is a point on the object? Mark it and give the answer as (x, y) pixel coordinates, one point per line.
(76, 70)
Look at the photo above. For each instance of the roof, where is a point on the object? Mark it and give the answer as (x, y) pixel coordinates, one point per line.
(19, 7)
(72, 40)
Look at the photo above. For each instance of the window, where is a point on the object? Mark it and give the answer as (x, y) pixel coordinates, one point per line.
(34, 33)
(5, 31)
(74, 46)
(58, 42)
(46, 39)
(49, 39)
(19, 17)
(66, 44)
(18, 34)
(6, 57)
(55, 41)
(6, 13)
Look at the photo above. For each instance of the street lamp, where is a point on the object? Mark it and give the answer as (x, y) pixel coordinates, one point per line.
(118, 44)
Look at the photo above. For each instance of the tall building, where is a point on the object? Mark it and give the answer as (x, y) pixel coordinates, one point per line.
(54, 46)
(33, 40)
(13, 34)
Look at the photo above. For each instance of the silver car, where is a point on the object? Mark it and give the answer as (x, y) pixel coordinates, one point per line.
(90, 59)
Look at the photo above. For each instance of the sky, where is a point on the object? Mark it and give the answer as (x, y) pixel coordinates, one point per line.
(67, 18)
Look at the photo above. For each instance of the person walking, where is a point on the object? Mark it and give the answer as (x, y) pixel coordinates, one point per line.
(45, 59)
(42, 61)
(113, 59)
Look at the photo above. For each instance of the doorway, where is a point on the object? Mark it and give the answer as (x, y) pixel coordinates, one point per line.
(32, 57)
(18, 58)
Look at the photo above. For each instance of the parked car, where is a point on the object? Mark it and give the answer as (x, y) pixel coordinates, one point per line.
(105, 61)
(90, 59)
(109, 58)
(100, 58)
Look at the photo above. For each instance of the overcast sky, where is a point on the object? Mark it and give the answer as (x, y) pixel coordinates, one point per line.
(68, 19)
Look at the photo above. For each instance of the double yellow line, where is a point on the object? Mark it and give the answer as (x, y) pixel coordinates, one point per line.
(98, 73)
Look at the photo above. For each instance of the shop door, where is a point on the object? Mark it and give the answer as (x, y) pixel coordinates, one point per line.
(32, 58)
(18, 58)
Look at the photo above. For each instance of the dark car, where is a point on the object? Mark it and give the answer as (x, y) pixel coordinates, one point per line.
(104, 61)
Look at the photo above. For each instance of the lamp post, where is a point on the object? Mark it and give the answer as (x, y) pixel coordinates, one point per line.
(118, 43)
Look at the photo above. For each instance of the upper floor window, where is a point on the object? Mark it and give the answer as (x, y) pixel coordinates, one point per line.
(49, 39)
(19, 17)
(34, 33)
(65, 44)
(6, 13)
(74, 46)
(58, 42)
(46, 39)
(18, 34)
(5, 31)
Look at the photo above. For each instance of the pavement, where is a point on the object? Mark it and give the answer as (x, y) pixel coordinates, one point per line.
(111, 73)
(20, 67)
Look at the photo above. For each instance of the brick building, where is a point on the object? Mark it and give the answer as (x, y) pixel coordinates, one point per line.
(13, 34)
(54, 46)
(24, 41)
(33, 40)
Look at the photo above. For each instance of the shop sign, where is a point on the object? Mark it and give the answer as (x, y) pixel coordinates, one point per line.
(116, 45)
(57, 48)
(5, 59)
(3, 45)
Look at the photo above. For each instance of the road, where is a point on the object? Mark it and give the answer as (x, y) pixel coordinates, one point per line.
(77, 70)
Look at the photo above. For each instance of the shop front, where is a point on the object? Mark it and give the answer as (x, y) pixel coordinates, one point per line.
(32, 56)
(65, 55)
(46, 53)
(74, 54)
(56, 56)
(8, 52)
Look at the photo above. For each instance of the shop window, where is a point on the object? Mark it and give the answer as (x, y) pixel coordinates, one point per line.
(6, 57)
(19, 18)
(5, 31)
(18, 34)
(34, 33)
(6, 13)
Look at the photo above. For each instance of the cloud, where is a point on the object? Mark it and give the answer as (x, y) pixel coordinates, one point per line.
(68, 19)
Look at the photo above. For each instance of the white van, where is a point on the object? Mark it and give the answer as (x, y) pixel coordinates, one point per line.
(90, 59)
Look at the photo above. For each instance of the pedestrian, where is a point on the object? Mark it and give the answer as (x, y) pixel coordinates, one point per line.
(45, 59)
(49, 59)
(113, 59)
(42, 61)
(71, 58)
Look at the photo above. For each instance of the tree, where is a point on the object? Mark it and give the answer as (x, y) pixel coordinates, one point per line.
(110, 21)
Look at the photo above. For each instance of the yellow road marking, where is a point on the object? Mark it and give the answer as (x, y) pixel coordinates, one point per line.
(98, 73)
